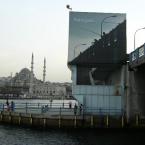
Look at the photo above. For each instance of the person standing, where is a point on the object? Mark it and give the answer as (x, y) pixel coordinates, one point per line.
(12, 106)
(81, 109)
(51, 102)
(7, 103)
(75, 109)
(70, 104)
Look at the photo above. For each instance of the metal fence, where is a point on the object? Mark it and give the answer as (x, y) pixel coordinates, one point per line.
(58, 109)
(137, 57)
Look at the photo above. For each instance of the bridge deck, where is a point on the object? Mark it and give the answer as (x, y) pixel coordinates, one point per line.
(137, 57)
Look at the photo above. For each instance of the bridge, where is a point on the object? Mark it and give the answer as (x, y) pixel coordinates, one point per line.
(137, 57)
(136, 80)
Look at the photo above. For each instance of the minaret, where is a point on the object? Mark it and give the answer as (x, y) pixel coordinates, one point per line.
(32, 63)
(31, 77)
(44, 70)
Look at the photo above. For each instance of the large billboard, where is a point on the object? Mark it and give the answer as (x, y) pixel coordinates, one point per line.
(96, 41)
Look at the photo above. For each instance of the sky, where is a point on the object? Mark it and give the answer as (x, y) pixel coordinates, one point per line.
(42, 27)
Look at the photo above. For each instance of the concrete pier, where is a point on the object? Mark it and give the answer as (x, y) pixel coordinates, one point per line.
(71, 121)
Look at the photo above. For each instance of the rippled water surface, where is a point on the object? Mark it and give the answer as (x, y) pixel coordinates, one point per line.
(11, 135)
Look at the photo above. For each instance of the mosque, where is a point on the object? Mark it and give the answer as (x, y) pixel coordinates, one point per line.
(24, 84)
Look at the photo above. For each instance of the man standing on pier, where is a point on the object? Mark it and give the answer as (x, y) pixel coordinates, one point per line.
(75, 109)
(12, 106)
(7, 103)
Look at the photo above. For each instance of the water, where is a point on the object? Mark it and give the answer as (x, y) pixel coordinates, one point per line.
(11, 135)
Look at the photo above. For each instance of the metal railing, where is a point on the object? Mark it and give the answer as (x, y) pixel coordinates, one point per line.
(58, 109)
(137, 56)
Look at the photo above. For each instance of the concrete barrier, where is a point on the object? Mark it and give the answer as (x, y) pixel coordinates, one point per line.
(71, 121)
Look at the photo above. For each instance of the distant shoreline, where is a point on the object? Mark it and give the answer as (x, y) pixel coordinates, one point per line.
(15, 98)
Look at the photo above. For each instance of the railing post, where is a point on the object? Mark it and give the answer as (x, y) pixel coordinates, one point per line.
(26, 108)
(3, 107)
(1, 116)
(60, 111)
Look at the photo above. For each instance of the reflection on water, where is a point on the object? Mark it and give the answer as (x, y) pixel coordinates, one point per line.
(10, 135)
(20, 136)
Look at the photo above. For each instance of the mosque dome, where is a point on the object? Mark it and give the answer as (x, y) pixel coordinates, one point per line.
(25, 71)
(24, 75)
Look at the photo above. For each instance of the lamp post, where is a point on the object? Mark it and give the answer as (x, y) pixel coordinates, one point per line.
(135, 34)
(68, 7)
(77, 47)
(104, 20)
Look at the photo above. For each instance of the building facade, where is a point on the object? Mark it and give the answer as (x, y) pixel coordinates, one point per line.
(98, 65)
(25, 85)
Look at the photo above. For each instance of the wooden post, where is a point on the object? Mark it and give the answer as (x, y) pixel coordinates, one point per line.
(92, 121)
(59, 121)
(107, 121)
(137, 120)
(31, 119)
(10, 117)
(122, 121)
(19, 118)
(44, 122)
(75, 121)
(1, 116)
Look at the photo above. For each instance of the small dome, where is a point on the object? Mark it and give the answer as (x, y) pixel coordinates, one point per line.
(25, 70)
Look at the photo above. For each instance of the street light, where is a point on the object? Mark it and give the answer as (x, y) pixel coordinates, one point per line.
(68, 7)
(104, 20)
(77, 47)
(135, 34)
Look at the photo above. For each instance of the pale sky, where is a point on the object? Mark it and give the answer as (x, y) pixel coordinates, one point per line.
(41, 27)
